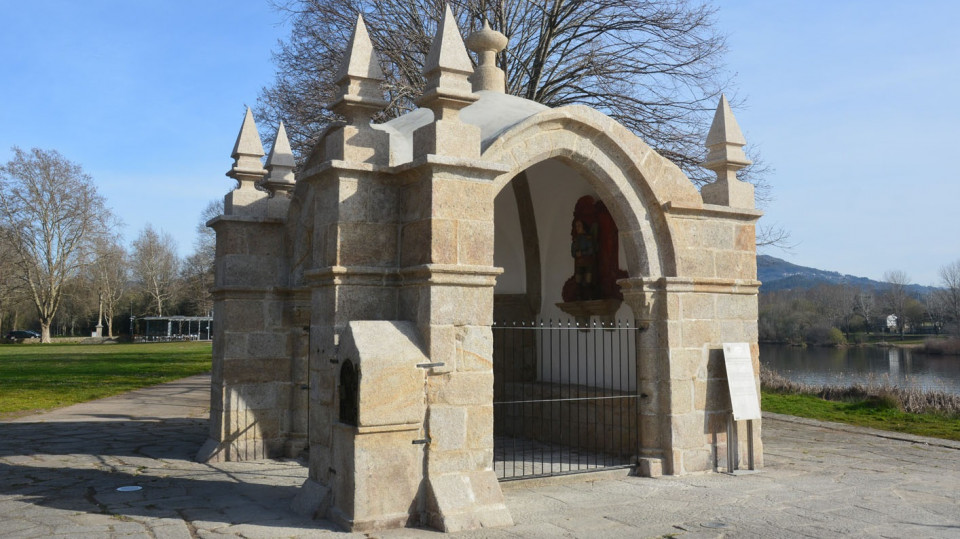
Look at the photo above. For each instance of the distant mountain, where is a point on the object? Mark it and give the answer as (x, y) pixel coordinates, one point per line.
(777, 274)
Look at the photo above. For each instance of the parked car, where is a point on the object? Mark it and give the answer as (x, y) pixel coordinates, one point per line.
(21, 335)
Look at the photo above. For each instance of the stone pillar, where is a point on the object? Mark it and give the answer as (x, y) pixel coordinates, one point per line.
(251, 382)
(355, 205)
(646, 298)
(448, 277)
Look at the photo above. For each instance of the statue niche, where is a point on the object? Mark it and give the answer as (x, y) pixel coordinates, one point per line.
(594, 246)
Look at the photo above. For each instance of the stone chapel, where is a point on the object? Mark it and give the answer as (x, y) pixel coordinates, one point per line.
(356, 300)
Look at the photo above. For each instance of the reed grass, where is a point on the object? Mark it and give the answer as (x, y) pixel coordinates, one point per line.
(943, 347)
(879, 390)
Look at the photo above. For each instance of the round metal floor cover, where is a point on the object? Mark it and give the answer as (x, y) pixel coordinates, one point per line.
(130, 488)
(714, 524)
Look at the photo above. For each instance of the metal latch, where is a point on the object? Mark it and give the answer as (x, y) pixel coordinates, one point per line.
(430, 365)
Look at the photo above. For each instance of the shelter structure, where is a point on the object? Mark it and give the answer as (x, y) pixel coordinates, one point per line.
(171, 328)
(355, 300)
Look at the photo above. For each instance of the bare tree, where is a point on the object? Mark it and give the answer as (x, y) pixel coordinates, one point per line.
(936, 310)
(896, 296)
(655, 66)
(864, 305)
(198, 267)
(110, 274)
(50, 212)
(11, 286)
(950, 294)
(77, 308)
(206, 241)
(156, 266)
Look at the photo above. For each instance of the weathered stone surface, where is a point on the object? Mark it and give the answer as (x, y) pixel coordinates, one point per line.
(461, 388)
(367, 244)
(474, 239)
(357, 144)
(386, 353)
(386, 472)
(698, 306)
(447, 137)
(475, 348)
(466, 501)
(447, 427)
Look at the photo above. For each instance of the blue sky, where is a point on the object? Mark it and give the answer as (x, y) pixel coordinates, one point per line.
(854, 104)
(146, 95)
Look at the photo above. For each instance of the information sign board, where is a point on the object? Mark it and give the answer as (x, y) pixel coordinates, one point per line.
(742, 381)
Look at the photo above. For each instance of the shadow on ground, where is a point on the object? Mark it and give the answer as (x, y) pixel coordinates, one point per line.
(146, 437)
(77, 467)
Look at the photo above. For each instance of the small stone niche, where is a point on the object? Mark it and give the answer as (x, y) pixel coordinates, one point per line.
(349, 391)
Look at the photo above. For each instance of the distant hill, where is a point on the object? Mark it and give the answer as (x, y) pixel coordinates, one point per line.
(777, 274)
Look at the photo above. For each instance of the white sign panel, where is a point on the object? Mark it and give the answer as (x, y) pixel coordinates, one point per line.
(742, 381)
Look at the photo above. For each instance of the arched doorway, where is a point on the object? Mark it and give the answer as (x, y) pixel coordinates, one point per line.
(566, 396)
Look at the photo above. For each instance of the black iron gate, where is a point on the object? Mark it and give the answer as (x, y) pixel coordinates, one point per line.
(565, 398)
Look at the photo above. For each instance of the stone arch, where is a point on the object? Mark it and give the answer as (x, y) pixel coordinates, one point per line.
(631, 178)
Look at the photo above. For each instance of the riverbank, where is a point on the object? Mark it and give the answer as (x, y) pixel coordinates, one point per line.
(869, 413)
(877, 405)
(910, 344)
(942, 347)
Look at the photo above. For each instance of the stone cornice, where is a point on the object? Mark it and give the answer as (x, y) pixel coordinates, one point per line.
(228, 292)
(712, 210)
(694, 284)
(453, 164)
(244, 219)
(450, 274)
(354, 275)
(340, 166)
(426, 274)
(487, 169)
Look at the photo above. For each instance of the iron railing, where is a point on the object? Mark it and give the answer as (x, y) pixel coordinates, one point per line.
(565, 398)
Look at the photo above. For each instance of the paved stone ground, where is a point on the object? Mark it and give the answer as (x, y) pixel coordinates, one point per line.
(59, 473)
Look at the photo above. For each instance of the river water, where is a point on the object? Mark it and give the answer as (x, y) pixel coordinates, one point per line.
(846, 366)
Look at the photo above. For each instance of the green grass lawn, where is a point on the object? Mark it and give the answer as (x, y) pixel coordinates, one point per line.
(874, 414)
(44, 376)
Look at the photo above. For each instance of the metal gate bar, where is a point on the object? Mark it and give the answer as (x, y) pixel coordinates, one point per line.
(565, 398)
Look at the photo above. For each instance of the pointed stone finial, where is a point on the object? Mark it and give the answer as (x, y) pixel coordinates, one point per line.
(247, 170)
(280, 164)
(725, 157)
(447, 70)
(359, 79)
(487, 43)
(725, 140)
(248, 149)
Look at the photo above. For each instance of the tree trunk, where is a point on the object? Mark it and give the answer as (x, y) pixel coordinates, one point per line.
(44, 331)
